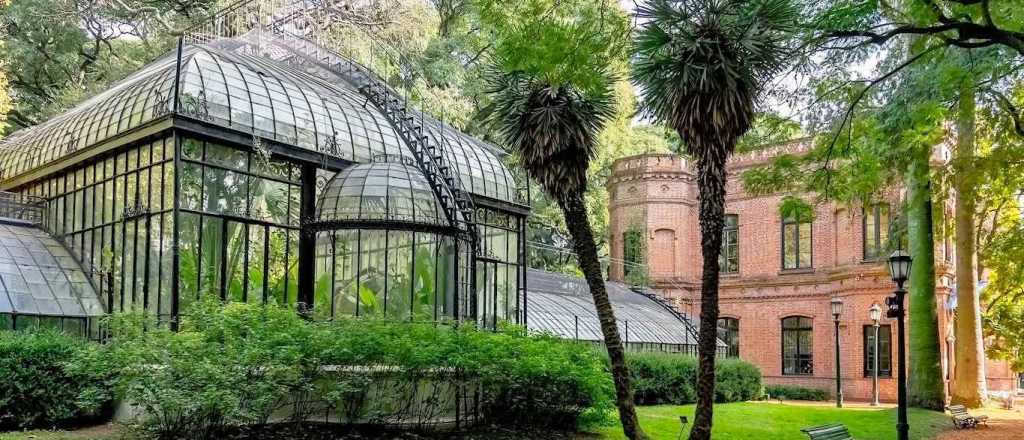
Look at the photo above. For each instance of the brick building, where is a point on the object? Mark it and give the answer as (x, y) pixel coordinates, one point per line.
(779, 275)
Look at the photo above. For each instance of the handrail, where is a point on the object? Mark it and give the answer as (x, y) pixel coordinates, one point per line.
(445, 181)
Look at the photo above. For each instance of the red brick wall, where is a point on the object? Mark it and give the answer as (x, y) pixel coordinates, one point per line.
(658, 193)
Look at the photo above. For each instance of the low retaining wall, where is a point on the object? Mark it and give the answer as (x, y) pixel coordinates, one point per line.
(381, 396)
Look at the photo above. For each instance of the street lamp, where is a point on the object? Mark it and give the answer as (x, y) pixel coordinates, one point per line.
(837, 309)
(899, 268)
(875, 313)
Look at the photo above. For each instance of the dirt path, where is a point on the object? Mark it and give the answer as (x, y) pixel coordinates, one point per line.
(1003, 425)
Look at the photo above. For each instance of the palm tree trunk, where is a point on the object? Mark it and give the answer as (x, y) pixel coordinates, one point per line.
(968, 387)
(586, 252)
(925, 382)
(711, 185)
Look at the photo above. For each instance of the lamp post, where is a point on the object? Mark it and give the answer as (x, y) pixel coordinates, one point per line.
(875, 313)
(837, 309)
(899, 269)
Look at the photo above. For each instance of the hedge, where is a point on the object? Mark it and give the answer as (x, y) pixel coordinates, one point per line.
(793, 392)
(236, 364)
(48, 379)
(666, 378)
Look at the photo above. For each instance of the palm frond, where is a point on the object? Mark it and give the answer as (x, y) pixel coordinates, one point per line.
(551, 129)
(700, 64)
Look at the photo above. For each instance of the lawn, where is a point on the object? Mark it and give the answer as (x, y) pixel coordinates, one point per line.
(774, 421)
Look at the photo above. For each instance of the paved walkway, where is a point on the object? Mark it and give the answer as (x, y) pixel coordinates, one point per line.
(1003, 425)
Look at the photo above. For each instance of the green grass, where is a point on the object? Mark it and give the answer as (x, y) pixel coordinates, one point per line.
(773, 421)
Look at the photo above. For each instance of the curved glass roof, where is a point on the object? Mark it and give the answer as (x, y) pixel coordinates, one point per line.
(392, 190)
(271, 99)
(557, 302)
(38, 276)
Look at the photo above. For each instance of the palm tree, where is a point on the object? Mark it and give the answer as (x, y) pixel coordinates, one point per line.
(552, 129)
(700, 66)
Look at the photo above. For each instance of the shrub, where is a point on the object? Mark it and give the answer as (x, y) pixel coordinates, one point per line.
(793, 392)
(48, 379)
(660, 378)
(736, 381)
(239, 363)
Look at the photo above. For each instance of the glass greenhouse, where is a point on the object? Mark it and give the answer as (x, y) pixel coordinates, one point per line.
(254, 165)
(216, 172)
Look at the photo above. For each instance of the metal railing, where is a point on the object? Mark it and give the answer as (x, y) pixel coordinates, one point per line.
(22, 207)
(426, 148)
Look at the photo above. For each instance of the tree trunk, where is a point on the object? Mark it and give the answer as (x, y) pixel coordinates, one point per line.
(576, 221)
(925, 382)
(968, 387)
(711, 188)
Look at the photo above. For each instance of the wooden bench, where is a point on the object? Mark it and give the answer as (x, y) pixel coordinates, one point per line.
(828, 432)
(962, 419)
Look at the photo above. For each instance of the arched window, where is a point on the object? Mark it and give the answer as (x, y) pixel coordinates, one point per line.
(729, 259)
(663, 260)
(797, 346)
(632, 251)
(876, 231)
(729, 332)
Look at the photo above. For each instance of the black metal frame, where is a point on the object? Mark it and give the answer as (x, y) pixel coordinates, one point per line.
(734, 231)
(796, 223)
(782, 344)
(172, 125)
(727, 332)
(867, 336)
(880, 247)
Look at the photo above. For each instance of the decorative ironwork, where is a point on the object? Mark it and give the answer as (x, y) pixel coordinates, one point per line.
(394, 158)
(135, 211)
(71, 145)
(260, 150)
(161, 104)
(196, 106)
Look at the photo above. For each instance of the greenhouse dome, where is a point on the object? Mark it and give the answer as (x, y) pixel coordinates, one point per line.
(390, 189)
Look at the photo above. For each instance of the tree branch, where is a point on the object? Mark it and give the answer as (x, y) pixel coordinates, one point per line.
(856, 100)
(1009, 108)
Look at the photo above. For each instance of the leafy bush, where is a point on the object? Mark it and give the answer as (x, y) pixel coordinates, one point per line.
(48, 379)
(240, 363)
(793, 392)
(660, 378)
(736, 381)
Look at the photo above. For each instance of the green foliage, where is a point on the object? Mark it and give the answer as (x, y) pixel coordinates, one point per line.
(239, 363)
(559, 43)
(794, 392)
(660, 378)
(701, 64)
(49, 379)
(59, 52)
(769, 129)
(736, 381)
(796, 208)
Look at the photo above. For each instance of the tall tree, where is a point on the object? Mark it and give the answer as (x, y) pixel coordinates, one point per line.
(552, 93)
(701, 66)
(925, 386)
(968, 386)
